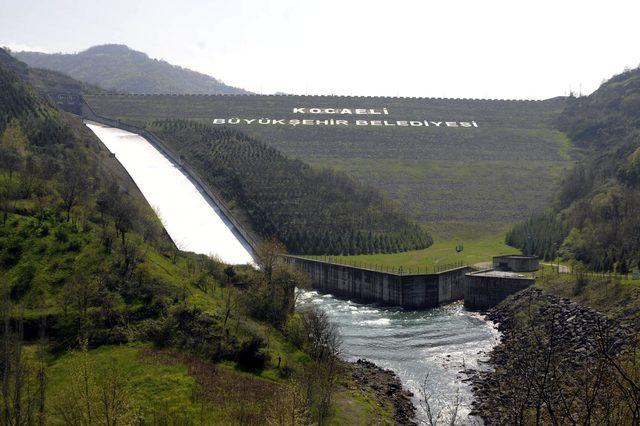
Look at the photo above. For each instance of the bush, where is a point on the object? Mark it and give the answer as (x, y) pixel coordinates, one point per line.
(294, 330)
(23, 281)
(192, 330)
(251, 354)
(61, 234)
(10, 251)
(160, 331)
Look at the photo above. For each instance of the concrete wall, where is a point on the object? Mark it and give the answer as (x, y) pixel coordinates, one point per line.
(516, 263)
(365, 285)
(483, 291)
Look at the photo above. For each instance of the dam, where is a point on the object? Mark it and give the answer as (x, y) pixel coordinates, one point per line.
(417, 344)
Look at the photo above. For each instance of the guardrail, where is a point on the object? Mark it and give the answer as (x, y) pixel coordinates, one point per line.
(89, 114)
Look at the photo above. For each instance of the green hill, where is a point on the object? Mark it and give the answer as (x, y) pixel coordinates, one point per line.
(106, 322)
(310, 211)
(501, 171)
(594, 218)
(119, 68)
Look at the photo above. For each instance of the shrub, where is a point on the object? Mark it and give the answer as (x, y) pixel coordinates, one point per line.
(10, 251)
(294, 330)
(23, 281)
(251, 354)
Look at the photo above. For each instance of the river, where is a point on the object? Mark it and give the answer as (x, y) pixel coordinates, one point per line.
(435, 344)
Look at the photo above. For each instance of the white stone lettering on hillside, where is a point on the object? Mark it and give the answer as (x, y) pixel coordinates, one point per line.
(330, 122)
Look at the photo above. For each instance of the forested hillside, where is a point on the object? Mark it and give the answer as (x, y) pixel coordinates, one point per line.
(595, 216)
(119, 68)
(104, 321)
(310, 211)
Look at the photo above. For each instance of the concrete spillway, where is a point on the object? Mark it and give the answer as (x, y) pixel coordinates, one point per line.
(193, 221)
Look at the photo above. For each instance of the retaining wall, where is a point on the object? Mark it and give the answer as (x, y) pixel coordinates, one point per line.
(485, 289)
(516, 263)
(365, 285)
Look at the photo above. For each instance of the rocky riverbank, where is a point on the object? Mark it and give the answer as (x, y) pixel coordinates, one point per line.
(553, 358)
(386, 388)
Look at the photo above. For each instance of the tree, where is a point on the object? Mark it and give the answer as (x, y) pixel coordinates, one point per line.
(229, 305)
(289, 407)
(324, 345)
(10, 161)
(230, 273)
(73, 184)
(22, 382)
(96, 394)
(269, 254)
(442, 413)
(13, 148)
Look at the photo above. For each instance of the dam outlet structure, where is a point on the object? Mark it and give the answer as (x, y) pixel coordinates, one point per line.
(409, 291)
(480, 290)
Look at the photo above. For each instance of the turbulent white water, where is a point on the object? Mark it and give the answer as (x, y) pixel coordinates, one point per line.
(435, 345)
(191, 220)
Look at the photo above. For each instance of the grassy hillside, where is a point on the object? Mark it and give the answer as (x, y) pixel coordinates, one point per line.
(118, 68)
(104, 321)
(501, 171)
(594, 218)
(311, 212)
(440, 256)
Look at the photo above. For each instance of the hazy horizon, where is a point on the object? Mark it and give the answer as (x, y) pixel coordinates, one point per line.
(407, 48)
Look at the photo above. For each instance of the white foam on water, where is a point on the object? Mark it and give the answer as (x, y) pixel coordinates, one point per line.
(429, 348)
(379, 321)
(192, 222)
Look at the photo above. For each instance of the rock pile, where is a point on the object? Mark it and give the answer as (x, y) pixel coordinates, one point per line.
(387, 387)
(540, 334)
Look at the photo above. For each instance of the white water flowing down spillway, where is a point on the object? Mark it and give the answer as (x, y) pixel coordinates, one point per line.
(191, 220)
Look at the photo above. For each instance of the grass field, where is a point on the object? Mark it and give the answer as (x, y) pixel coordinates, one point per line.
(165, 387)
(480, 243)
(154, 387)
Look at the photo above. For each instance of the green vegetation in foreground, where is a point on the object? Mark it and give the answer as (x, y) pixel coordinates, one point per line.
(152, 384)
(171, 388)
(481, 243)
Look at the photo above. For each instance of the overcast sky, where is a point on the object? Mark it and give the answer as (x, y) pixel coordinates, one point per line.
(479, 48)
